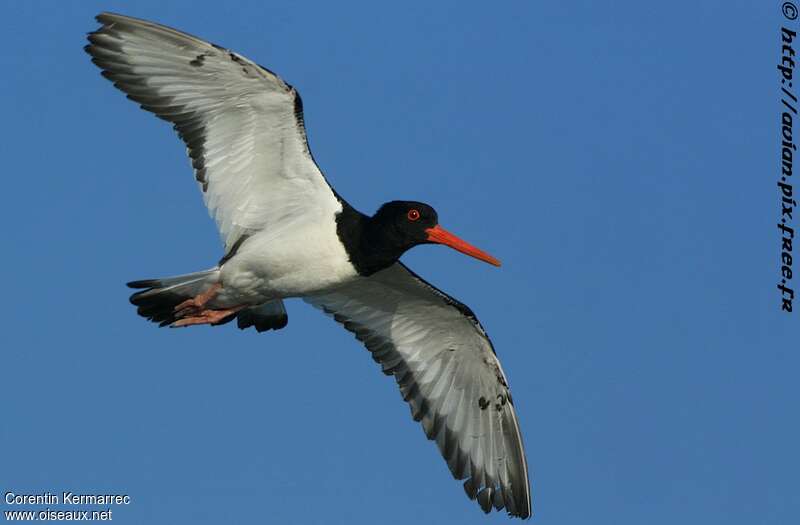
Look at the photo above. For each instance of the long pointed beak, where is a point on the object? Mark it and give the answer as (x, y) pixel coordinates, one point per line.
(439, 235)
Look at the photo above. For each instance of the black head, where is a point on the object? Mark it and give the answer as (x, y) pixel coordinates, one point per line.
(400, 225)
(404, 223)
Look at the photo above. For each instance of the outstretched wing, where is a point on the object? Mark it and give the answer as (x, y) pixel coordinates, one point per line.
(242, 124)
(447, 370)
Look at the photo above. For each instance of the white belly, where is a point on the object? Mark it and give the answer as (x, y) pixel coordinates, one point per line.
(299, 260)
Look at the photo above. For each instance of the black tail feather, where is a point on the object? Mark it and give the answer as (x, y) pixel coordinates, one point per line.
(145, 283)
(158, 298)
(157, 305)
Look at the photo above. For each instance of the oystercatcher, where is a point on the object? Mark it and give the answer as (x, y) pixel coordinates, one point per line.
(287, 233)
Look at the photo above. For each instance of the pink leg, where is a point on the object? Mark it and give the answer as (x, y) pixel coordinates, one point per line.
(197, 304)
(211, 317)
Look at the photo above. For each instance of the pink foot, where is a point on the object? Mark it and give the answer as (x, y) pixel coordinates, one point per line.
(211, 317)
(196, 305)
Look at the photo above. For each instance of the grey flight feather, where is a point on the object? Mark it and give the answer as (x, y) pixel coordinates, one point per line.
(447, 371)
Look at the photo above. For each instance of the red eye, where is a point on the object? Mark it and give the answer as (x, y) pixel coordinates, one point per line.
(413, 215)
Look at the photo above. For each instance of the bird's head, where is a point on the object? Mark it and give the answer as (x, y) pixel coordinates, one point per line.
(405, 224)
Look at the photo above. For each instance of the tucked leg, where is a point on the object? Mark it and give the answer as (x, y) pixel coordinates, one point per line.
(197, 304)
(211, 317)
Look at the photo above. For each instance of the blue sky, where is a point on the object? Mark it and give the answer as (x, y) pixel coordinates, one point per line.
(620, 160)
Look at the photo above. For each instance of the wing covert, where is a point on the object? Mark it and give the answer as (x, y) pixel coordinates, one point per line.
(242, 124)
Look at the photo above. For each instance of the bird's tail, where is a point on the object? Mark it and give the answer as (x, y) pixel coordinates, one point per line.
(159, 298)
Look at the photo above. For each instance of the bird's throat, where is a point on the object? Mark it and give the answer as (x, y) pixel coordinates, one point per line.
(368, 245)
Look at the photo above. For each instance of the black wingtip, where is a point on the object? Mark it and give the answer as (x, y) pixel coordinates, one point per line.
(470, 489)
(485, 500)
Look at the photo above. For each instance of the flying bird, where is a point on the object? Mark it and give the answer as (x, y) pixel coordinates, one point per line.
(287, 233)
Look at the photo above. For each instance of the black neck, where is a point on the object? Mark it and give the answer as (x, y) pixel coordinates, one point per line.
(367, 243)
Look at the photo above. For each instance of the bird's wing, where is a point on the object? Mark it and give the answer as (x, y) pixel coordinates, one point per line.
(447, 370)
(242, 124)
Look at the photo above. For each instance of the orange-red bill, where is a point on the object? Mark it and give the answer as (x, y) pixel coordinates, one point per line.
(439, 235)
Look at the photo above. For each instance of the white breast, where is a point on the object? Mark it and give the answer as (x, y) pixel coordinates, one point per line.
(296, 259)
